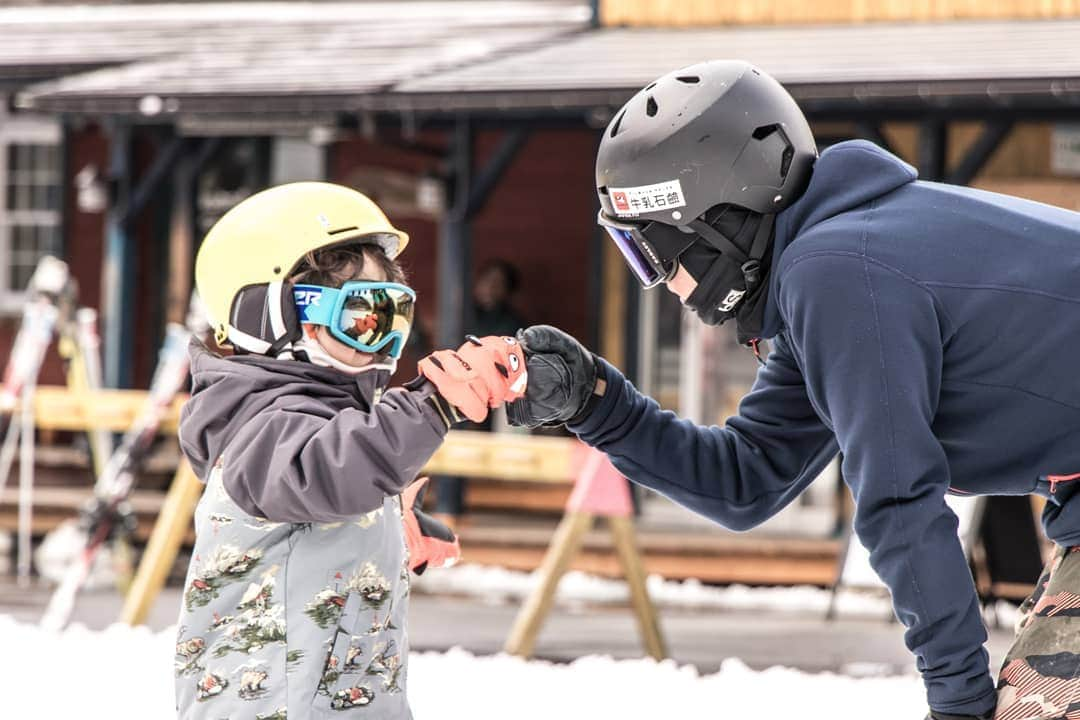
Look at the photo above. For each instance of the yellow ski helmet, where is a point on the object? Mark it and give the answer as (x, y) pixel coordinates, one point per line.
(244, 263)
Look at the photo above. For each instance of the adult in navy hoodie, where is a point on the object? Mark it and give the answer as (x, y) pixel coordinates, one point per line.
(926, 331)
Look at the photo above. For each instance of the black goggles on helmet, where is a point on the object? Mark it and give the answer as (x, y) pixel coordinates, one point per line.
(650, 249)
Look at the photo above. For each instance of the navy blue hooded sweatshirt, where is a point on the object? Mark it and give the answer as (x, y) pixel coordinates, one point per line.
(932, 334)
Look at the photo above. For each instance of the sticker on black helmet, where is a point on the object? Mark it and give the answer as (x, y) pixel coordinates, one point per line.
(632, 201)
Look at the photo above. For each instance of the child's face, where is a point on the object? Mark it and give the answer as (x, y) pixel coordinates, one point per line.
(334, 347)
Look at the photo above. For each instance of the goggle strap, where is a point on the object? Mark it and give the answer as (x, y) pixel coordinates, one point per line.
(761, 237)
(717, 239)
(319, 312)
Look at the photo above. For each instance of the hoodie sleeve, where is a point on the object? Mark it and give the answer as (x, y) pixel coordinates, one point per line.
(871, 342)
(737, 475)
(289, 465)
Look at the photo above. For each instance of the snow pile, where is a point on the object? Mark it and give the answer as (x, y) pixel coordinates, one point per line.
(125, 672)
(499, 585)
(459, 685)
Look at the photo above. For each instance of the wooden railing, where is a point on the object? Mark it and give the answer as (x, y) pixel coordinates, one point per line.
(472, 454)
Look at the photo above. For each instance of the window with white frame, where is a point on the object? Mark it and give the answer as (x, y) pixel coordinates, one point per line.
(31, 175)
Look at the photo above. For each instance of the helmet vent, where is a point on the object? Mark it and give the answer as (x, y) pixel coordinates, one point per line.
(341, 230)
(618, 123)
(603, 190)
(764, 131)
(651, 107)
(689, 79)
(785, 160)
(650, 86)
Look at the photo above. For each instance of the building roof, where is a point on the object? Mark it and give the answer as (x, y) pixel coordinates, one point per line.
(445, 56)
(822, 61)
(204, 52)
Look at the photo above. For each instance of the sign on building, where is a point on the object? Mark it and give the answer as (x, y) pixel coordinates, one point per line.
(1065, 149)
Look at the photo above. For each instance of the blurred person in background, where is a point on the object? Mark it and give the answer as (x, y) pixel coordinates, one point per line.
(492, 314)
(926, 331)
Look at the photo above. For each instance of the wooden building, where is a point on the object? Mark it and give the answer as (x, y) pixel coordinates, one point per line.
(129, 128)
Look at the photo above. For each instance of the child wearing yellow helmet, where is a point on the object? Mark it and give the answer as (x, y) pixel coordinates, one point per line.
(295, 600)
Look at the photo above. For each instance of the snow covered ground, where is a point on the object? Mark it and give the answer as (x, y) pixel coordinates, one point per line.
(499, 585)
(126, 672)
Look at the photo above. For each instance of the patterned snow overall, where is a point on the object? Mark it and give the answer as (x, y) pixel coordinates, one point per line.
(292, 620)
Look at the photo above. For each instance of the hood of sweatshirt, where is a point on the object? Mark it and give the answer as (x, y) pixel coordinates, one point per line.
(847, 175)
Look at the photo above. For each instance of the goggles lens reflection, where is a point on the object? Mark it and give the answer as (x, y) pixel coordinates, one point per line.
(365, 315)
(637, 260)
(370, 316)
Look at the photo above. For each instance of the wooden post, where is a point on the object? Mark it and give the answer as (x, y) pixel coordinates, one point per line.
(622, 532)
(564, 545)
(181, 244)
(172, 524)
(613, 310)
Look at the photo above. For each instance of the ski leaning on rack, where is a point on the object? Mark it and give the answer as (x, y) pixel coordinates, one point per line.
(49, 287)
(108, 516)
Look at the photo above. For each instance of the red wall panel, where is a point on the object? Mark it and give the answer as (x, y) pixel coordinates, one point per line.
(539, 217)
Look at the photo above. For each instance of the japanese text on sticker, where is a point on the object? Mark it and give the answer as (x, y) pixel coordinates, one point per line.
(632, 201)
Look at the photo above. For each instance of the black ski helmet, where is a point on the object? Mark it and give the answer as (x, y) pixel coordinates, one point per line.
(714, 133)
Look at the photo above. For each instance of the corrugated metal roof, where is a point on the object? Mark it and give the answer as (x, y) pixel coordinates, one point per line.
(268, 48)
(814, 62)
(630, 58)
(527, 55)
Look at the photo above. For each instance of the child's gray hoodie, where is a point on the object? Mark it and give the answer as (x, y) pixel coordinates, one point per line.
(295, 601)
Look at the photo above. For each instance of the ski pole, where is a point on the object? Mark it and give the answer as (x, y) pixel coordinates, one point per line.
(7, 452)
(26, 482)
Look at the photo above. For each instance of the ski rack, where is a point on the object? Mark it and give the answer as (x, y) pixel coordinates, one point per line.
(114, 484)
(50, 313)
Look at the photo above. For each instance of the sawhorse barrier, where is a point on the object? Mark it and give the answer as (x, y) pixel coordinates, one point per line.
(599, 491)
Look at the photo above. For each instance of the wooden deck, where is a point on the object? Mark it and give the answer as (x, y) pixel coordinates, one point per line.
(715, 557)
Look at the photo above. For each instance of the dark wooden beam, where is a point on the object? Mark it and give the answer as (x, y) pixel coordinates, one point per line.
(488, 177)
(872, 132)
(976, 157)
(454, 256)
(933, 148)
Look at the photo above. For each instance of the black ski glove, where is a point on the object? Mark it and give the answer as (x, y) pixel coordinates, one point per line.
(935, 715)
(562, 379)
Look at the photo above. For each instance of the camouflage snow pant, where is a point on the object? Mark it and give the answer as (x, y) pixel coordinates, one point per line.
(1040, 679)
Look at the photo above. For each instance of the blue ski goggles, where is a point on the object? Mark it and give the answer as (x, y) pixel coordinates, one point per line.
(372, 317)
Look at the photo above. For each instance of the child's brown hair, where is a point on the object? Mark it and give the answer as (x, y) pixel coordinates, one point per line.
(336, 265)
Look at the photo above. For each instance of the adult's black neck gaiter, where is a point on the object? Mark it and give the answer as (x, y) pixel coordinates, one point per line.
(721, 293)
